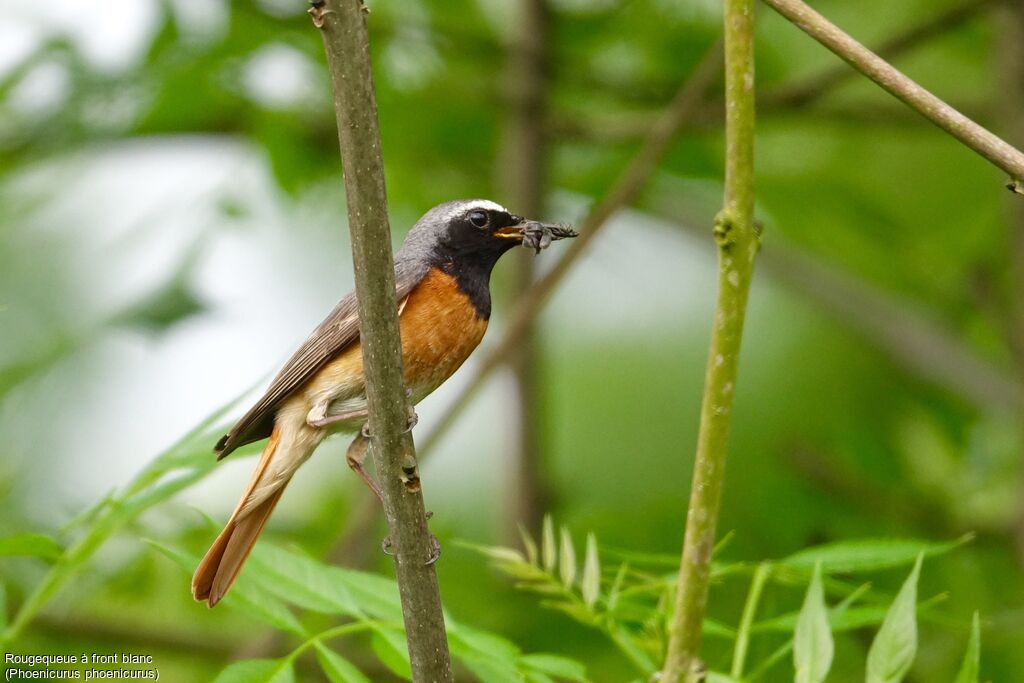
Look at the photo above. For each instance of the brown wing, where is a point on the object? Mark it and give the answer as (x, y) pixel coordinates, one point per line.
(331, 337)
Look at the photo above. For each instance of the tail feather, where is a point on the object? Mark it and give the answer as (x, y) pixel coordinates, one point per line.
(220, 566)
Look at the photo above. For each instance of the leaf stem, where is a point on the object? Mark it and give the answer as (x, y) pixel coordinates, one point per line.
(739, 654)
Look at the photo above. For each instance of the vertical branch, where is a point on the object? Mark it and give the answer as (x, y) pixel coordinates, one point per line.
(738, 242)
(343, 25)
(1009, 101)
(521, 177)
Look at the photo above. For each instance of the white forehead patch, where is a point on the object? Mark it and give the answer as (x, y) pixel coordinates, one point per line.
(460, 208)
(486, 205)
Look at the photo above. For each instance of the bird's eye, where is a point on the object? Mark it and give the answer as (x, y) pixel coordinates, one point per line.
(478, 218)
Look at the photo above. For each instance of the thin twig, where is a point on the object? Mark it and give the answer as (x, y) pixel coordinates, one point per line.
(788, 98)
(990, 146)
(623, 192)
(343, 24)
(738, 243)
(814, 87)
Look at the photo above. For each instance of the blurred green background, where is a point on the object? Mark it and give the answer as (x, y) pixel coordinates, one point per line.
(172, 223)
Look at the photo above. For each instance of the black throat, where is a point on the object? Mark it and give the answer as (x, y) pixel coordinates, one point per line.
(472, 273)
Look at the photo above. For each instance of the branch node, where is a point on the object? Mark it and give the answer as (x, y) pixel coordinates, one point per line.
(410, 475)
(317, 12)
(723, 230)
(1015, 185)
(698, 672)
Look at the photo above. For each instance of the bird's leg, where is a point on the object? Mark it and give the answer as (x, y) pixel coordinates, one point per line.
(356, 456)
(317, 418)
(411, 420)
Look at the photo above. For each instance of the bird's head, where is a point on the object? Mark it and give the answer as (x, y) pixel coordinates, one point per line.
(471, 230)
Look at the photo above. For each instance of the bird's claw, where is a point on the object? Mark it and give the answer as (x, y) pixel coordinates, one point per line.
(411, 421)
(387, 546)
(435, 550)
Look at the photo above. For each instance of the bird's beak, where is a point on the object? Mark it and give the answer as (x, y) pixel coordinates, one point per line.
(511, 232)
(534, 234)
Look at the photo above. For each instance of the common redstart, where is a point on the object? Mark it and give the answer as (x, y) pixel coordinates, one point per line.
(442, 278)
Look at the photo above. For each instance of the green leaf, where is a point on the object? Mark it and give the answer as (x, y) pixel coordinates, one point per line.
(303, 581)
(337, 668)
(492, 671)
(895, 645)
(3, 607)
(499, 553)
(812, 641)
(634, 651)
(258, 671)
(566, 559)
(392, 650)
(469, 642)
(246, 595)
(556, 665)
(715, 677)
(845, 557)
(613, 594)
(972, 657)
(536, 677)
(490, 657)
(591, 584)
(529, 545)
(30, 545)
(548, 552)
(342, 591)
(841, 621)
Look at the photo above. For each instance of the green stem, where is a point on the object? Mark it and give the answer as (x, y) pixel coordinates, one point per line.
(346, 42)
(738, 244)
(337, 631)
(739, 655)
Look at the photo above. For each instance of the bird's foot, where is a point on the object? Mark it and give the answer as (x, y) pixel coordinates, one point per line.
(387, 546)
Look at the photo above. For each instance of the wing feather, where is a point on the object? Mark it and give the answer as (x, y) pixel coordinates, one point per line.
(332, 336)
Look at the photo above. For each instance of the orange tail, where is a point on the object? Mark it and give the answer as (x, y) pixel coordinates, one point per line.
(220, 567)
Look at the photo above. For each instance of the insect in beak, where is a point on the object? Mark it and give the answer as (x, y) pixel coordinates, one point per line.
(536, 235)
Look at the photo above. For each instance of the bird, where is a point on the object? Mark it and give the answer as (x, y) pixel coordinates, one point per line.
(442, 282)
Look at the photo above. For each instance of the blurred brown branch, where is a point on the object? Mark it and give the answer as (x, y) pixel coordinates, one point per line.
(913, 340)
(1009, 101)
(521, 177)
(623, 192)
(918, 344)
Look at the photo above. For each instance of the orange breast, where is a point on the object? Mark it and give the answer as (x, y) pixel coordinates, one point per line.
(440, 328)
